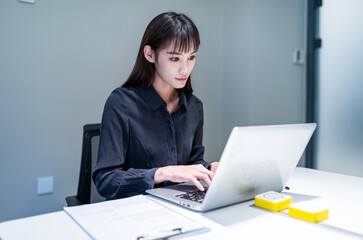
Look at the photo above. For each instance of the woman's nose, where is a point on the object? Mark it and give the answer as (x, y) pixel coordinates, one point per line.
(183, 69)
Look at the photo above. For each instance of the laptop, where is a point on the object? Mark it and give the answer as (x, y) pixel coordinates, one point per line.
(256, 159)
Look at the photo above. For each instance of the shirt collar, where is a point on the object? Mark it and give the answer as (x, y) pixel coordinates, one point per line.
(155, 101)
(183, 100)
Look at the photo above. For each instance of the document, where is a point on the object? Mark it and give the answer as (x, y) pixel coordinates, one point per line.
(136, 217)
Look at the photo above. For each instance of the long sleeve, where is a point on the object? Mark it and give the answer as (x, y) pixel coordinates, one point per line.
(197, 153)
(111, 177)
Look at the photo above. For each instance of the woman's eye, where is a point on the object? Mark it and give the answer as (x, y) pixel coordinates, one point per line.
(174, 59)
(191, 57)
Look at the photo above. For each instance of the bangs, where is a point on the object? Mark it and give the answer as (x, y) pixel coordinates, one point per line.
(185, 44)
(183, 37)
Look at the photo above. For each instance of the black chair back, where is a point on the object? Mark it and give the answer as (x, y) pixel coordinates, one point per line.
(86, 192)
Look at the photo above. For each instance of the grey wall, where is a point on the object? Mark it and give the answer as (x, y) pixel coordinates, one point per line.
(261, 84)
(59, 60)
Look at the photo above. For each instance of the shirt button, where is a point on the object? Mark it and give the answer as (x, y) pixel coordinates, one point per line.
(172, 149)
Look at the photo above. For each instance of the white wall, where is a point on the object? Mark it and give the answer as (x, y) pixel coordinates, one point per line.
(339, 91)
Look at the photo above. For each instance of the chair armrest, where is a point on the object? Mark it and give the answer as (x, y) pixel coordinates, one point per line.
(73, 201)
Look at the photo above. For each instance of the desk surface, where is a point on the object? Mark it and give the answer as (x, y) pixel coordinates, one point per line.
(341, 193)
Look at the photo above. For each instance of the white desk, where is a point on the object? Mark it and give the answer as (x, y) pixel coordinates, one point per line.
(342, 194)
(57, 225)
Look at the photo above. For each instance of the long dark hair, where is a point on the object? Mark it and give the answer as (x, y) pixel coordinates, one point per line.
(166, 28)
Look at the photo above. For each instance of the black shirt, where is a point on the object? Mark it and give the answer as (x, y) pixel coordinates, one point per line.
(139, 135)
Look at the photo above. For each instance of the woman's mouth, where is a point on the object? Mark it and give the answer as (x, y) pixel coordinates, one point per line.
(181, 79)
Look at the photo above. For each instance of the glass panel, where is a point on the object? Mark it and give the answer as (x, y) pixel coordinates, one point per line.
(340, 85)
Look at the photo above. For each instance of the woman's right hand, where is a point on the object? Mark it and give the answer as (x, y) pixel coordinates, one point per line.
(184, 173)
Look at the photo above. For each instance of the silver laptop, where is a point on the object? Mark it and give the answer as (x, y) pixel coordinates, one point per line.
(255, 159)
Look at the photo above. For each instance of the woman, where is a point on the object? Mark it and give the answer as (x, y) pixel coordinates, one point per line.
(152, 127)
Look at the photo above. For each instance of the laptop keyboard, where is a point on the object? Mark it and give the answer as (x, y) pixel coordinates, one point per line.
(196, 196)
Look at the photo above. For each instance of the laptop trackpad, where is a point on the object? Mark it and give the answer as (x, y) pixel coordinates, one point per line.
(186, 187)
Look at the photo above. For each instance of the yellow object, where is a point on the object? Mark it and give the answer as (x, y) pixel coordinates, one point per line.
(308, 211)
(273, 201)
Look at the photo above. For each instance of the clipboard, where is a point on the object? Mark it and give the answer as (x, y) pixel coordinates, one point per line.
(177, 232)
(137, 218)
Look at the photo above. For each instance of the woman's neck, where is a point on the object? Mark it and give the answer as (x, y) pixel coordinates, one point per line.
(169, 94)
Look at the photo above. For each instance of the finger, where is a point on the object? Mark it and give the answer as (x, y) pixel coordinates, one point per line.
(203, 169)
(197, 184)
(199, 170)
(209, 173)
(204, 177)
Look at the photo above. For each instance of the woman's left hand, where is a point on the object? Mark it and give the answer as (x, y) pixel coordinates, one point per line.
(214, 166)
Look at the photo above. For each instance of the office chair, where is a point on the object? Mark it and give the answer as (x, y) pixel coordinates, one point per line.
(86, 192)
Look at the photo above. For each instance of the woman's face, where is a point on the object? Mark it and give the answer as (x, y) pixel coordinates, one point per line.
(173, 67)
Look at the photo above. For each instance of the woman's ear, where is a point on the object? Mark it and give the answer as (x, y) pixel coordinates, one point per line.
(149, 54)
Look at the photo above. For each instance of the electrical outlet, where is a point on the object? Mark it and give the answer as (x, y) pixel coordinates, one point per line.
(45, 185)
